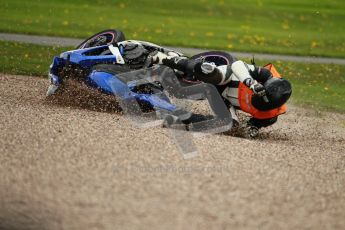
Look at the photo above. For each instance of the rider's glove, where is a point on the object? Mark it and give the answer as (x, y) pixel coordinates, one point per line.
(257, 88)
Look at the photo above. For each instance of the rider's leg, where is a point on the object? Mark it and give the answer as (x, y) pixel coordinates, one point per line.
(202, 71)
(196, 69)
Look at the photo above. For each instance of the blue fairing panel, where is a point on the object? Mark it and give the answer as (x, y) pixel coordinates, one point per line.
(110, 84)
(83, 58)
(106, 82)
(56, 64)
(54, 69)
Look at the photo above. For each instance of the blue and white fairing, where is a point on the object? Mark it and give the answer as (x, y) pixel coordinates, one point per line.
(108, 83)
(111, 84)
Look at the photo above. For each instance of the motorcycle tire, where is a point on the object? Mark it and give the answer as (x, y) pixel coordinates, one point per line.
(217, 57)
(111, 36)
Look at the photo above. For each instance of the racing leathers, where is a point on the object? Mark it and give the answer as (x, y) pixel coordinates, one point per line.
(227, 79)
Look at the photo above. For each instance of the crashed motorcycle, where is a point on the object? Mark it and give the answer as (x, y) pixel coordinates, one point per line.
(122, 68)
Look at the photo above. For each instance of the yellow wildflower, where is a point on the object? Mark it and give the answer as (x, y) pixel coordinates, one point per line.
(209, 34)
(158, 31)
(314, 44)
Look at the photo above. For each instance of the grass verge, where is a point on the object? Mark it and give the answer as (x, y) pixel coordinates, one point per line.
(27, 59)
(314, 85)
(309, 27)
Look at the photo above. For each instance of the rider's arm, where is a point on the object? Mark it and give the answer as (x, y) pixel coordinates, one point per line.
(241, 71)
(261, 74)
(244, 73)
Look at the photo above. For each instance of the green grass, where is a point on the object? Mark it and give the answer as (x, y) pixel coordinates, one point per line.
(308, 27)
(314, 85)
(28, 59)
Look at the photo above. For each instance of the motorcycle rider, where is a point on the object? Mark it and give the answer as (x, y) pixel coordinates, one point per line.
(252, 89)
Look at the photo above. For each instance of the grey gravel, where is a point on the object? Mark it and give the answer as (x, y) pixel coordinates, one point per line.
(75, 164)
